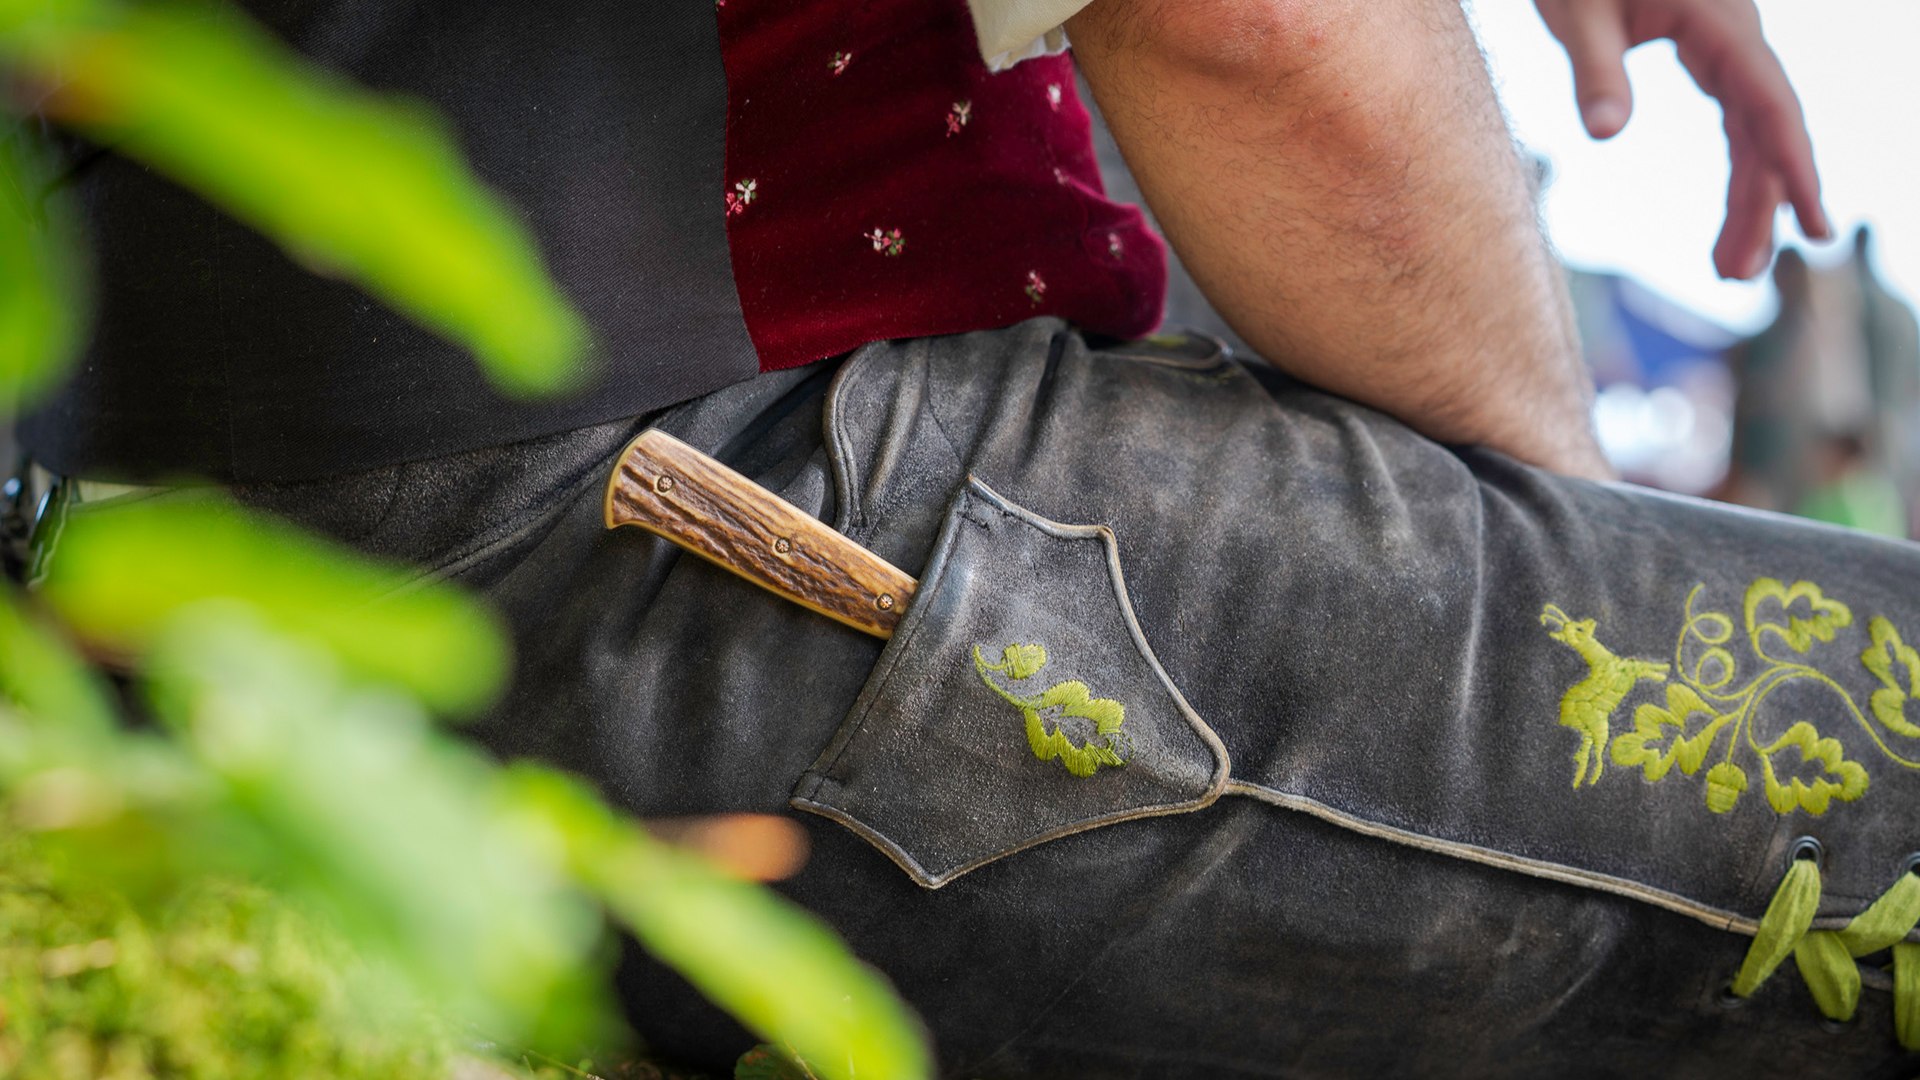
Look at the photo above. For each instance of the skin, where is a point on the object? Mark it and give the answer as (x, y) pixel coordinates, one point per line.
(1720, 44)
(1339, 179)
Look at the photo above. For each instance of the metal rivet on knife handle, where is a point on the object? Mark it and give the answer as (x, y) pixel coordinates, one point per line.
(729, 520)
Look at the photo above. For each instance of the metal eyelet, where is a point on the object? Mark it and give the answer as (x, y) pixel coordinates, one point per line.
(1839, 1027)
(1911, 864)
(1727, 999)
(1806, 847)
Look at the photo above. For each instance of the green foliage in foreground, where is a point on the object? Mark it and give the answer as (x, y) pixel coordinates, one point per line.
(351, 183)
(439, 645)
(277, 722)
(226, 982)
(274, 754)
(42, 311)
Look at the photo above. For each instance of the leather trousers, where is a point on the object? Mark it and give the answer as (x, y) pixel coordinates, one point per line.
(1235, 728)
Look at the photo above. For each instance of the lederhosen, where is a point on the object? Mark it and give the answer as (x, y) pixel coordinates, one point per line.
(1235, 729)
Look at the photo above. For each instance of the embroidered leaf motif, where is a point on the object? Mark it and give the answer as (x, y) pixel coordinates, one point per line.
(1073, 699)
(1889, 703)
(1048, 712)
(1643, 747)
(1823, 616)
(1024, 661)
(1838, 779)
(1725, 784)
(1715, 692)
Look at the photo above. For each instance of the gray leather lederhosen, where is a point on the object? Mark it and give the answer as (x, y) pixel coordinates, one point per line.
(1352, 832)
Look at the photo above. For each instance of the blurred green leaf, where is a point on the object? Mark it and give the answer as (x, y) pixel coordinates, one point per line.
(768, 963)
(42, 294)
(46, 680)
(125, 568)
(351, 183)
(391, 826)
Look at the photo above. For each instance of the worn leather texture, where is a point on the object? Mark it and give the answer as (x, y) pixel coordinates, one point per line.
(923, 734)
(1410, 883)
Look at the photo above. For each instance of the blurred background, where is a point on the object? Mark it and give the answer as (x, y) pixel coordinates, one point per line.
(1797, 392)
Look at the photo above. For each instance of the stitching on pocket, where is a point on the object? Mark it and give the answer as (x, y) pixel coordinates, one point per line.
(884, 814)
(889, 661)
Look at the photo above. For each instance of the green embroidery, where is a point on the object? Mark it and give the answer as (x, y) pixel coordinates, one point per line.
(1107, 745)
(1589, 703)
(1889, 703)
(1715, 692)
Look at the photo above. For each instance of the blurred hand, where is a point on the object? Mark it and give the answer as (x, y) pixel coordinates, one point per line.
(1721, 46)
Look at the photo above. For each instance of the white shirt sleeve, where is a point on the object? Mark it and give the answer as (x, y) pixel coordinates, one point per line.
(1014, 30)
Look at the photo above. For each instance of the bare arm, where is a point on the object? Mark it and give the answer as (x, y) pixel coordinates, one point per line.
(1338, 178)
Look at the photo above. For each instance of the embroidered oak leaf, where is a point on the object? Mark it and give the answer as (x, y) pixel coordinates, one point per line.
(1838, 778)
(1023, 661)
(1820, 619)
(1659, 739)
(1897, 665)
(1072, 699)
(1051, 714)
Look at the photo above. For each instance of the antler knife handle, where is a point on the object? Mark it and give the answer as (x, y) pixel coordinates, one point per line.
(667, 487)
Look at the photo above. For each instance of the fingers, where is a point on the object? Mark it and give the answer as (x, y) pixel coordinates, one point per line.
(1594, 33)
(1754, 191)
(1778, 129)
(1730, 60)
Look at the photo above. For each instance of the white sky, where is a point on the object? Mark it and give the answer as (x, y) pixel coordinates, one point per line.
(1649, 201)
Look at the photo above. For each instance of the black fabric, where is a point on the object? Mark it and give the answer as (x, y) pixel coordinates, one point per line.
(602, 122)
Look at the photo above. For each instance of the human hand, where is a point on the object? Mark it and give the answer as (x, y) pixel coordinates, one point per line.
(1720, 43)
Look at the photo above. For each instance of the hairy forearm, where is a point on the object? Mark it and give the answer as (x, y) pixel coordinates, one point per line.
(1339, 180)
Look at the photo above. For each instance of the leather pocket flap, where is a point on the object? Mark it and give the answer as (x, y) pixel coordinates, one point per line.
(1018, 702)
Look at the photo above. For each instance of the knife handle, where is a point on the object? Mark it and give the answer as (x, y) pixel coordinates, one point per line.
(667, 487)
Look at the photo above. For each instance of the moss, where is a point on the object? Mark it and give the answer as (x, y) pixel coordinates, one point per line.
(226, 981)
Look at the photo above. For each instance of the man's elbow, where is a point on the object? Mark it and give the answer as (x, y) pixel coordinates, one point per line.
(1252, 44)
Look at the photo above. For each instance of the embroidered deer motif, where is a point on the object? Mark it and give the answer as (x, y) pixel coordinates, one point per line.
(1588, 705)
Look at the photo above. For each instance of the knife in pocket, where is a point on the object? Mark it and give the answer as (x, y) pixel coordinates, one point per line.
(667, 487)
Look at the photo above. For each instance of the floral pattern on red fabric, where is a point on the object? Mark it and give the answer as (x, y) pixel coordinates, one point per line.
(992, 176)
(1036, 287)
(743, 193)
